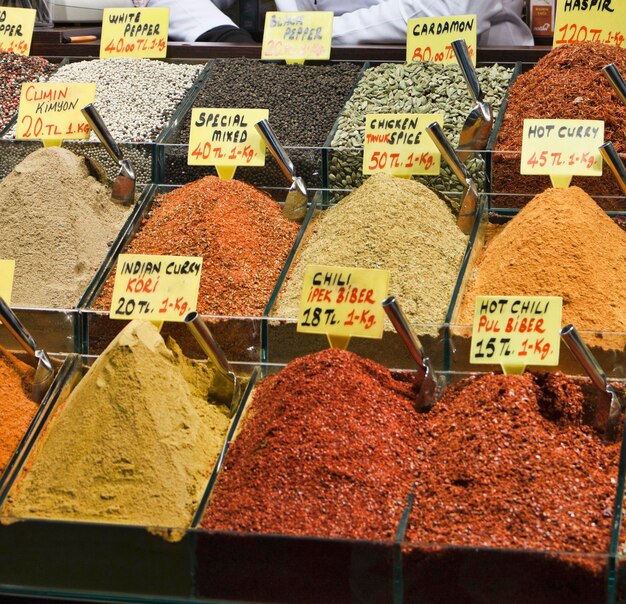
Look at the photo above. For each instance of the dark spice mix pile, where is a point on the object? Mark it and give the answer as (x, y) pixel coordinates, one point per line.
(303, 101)
(568, 83)
(14, 71)
(329, 447)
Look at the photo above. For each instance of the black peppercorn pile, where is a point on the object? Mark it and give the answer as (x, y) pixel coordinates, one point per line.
(303, 101)
(14, 70)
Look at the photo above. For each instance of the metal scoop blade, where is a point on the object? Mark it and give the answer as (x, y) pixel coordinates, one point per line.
(227, 387)
(479, 123)
(123, 189)
(591, 366)
(615, 163)
(469, 203)
(44, 373)
(428, 389)
(616, 79)
(295, 207)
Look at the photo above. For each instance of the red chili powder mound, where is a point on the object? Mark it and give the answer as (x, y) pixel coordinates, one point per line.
(329, 447)
(16, 407)
(512, 463)
(560, 244)
(239, 231)
(568, 83)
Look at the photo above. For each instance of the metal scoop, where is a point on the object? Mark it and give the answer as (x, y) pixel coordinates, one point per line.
(44, 373)
(612, 158)
(616, 79)
(469, 204)
(295, 207)
(428, 389)
(227, 386)
(591, 366)
(123, 189)
(479, 123)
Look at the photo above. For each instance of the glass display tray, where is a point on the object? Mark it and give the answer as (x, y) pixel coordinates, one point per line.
(141, 154)
(239, 336)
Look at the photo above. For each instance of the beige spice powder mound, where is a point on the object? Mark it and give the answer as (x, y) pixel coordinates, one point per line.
(394, 224)
(561, 244)
(57, 224)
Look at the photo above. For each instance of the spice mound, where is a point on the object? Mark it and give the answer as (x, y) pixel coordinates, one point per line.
(568, 83)
(17, 409)
(57, 224)
(14, 71)
(394, 224)
(512, 463)
(239, 231)
(560, 244)
(329, 447)
(135, 442)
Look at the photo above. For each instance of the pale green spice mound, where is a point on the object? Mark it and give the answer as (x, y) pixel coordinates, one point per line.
(394, 224)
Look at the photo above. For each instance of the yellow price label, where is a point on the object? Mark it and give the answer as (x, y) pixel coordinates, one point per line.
(297, 36)
(397, 143)
(16, 29)
(430, 38)
(515, 331)
(7, 271)
(562, 149)
(134, 32)
(343, 301)
(226, 138)
(51, 111)
(155, 288)
(590, 21)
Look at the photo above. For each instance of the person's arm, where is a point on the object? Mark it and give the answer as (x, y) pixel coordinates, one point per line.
(337, 6)
(201, 20)
(386, 22)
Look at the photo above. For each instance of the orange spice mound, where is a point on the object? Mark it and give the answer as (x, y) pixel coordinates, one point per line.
(16, 408)
(560, 244)
(238, 230)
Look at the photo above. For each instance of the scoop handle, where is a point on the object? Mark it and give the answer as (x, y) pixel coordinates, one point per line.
(15, 327)
(402, 326)
(276, 149)
(461, 52)
(447, 151)
(95, 121)
(207, 342)
(612, 158)
(584, 356)
(616, 79)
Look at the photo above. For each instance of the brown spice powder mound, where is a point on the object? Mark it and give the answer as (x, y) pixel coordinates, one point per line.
(560, 244)
(16, 407)
(239, 231)
(512, 463)
(568, 83)
(329, 447)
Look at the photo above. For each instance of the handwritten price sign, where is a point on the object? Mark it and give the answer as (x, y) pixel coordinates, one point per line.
(343, 301)
(590, 21)
(138, 32)
(51, 111)
(297, 36)
(396, 143)
(155, 288)
(562, 148)
(430, 38)
(226, 138)
(16, 29)
(7, 270)
(516, 331)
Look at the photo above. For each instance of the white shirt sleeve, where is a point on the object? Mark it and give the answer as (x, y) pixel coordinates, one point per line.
(191, 18)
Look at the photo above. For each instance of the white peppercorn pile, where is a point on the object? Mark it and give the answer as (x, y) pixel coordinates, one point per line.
(412, 88)
(14, 71)
(303, 101)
